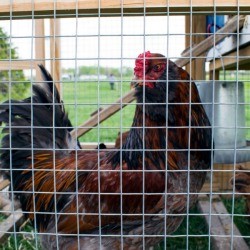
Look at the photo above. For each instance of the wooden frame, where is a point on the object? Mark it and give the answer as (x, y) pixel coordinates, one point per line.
(233, 53)
(229, 61)
(197, 67)
(39, 45)
(20, 8)
(16, 64)
(39, 38)
(61, 8)
(55, 51)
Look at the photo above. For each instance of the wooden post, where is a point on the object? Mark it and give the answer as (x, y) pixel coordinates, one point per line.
(39, 46)
(215, 75)
(55, 51)
(197, 66)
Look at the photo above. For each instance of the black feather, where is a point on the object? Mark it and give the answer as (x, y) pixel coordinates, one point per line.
(34, 124)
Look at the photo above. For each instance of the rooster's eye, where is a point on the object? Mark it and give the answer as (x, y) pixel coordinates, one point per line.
(157, 67)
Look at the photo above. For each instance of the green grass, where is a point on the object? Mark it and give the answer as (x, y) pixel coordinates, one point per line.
(196, 227)
(2, 217)
(25, 239)
(242, 222)
(247, 108)
(81, 99)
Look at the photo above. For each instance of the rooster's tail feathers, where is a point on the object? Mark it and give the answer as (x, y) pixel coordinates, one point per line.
(48, 82)
(35, 123)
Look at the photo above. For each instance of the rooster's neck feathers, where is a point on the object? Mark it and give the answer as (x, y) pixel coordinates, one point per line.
(143, 136)
(159, 116)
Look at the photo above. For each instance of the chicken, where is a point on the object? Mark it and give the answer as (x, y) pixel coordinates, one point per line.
(125, 198)
(121, 139)
(241, 181)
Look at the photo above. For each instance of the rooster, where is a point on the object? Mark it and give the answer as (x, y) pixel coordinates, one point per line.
(125, 198)
(120, 139)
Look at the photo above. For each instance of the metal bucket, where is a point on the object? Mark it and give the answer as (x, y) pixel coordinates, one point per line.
(226, 112)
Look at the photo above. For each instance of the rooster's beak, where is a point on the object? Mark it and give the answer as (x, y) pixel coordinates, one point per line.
(136, 82)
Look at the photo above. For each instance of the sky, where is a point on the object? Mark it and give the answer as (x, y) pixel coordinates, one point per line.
(115, 41)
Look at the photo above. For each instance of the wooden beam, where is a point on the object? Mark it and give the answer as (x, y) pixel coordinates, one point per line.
(39, 50)
(24, 8)
(55, 51)
(39, 46)
(214, 75)
(17, 65)
(229, 61)
(197, 68)
(129, 97)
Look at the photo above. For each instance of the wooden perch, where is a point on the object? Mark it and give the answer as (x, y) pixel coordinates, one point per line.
(96, 111)
(199, 49)
(220, 225)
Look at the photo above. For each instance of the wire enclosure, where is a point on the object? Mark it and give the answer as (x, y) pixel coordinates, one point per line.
(91, 50)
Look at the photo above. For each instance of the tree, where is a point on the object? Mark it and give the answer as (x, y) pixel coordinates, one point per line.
(16, 77)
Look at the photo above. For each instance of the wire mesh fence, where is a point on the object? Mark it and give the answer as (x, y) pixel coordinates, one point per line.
(124, 127)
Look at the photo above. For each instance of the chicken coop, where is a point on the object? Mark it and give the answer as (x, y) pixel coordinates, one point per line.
(124, 124)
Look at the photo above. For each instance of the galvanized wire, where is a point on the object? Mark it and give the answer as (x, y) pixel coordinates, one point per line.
(76, 103)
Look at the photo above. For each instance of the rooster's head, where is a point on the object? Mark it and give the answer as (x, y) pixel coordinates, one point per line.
(159, 81)
(152, 72)
(149, 67)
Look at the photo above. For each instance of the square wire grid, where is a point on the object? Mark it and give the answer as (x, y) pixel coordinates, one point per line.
(113, 43)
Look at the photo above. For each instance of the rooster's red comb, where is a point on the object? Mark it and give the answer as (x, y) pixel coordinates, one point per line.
(139, 63)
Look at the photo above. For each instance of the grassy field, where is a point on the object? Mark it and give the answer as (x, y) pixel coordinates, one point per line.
(182, 240)
(242, 222)
(247, 108)
(26, 239)
(197, 227)
(82, 99)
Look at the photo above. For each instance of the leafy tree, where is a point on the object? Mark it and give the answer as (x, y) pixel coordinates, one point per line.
(16, 77)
